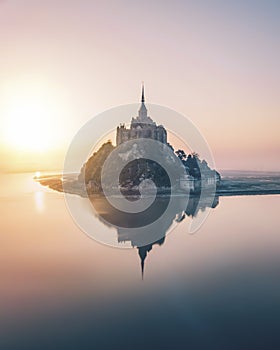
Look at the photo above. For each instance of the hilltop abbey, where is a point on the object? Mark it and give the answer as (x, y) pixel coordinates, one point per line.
(197, 172)
(142, 126)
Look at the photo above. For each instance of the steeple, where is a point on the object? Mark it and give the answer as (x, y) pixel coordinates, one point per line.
(143, 113)
(143, 94)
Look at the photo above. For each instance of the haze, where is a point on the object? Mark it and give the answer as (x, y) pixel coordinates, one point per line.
(214, 61)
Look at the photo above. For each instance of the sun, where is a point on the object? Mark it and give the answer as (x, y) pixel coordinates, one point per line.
(25, 127)
(27, 122)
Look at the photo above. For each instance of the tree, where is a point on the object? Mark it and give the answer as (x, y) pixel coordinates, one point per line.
(195, 155)
(181, 154)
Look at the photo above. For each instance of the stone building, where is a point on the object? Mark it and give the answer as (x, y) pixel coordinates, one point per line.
(142, 126)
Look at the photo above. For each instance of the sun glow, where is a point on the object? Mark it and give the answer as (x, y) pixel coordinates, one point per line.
(30, 120)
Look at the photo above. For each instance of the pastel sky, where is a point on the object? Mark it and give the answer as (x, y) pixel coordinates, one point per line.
(214, 61)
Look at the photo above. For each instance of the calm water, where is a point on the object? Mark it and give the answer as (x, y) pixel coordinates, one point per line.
(216, 289)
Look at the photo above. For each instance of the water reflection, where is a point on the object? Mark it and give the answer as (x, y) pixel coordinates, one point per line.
(179, 209)
(39, 201)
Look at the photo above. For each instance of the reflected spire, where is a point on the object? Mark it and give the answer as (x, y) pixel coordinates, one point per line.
(142, 251)
(142, 267)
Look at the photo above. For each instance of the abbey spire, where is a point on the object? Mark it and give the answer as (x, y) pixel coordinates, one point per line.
(143, 94)
(143, 113)
(141, 126)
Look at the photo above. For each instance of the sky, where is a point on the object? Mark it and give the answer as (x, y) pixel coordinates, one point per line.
(63, 62)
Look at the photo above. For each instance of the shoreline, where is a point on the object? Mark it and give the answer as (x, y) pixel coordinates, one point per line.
(227, 188)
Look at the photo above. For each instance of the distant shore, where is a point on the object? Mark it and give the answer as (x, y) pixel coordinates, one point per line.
(229, 186)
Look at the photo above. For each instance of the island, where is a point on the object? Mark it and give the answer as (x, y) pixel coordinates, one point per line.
(192, 173)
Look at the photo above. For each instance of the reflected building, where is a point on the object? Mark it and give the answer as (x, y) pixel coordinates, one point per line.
(195, 205)
(138, 232)
(147, 228)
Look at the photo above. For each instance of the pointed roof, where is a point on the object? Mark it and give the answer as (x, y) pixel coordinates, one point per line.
(143, 112)
(142, 116)
(143, 93)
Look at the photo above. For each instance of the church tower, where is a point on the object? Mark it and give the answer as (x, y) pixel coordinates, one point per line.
(141, 126)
